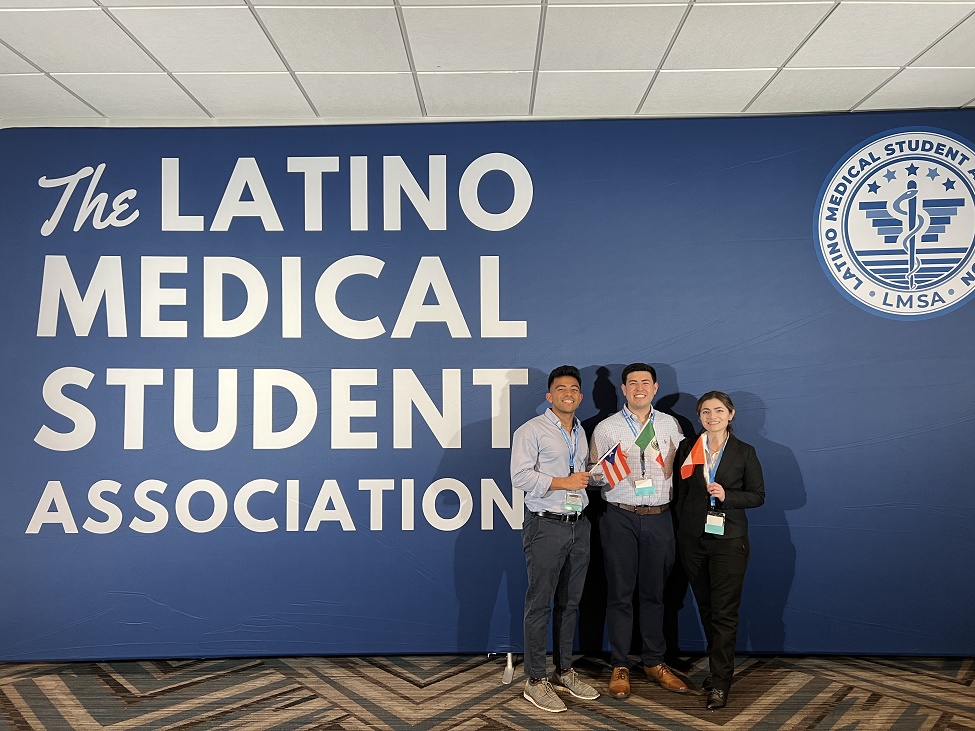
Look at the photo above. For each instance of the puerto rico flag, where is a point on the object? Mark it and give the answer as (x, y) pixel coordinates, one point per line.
(614, 465)
(696, 457)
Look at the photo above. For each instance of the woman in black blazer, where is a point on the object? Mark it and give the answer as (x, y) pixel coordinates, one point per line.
(719, 478)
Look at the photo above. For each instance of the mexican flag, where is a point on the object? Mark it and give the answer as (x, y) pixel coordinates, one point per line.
(646, 440)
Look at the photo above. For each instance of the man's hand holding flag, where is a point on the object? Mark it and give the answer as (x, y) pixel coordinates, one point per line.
(614, 465)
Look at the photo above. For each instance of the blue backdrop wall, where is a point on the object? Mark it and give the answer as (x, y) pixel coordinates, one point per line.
(259, 384)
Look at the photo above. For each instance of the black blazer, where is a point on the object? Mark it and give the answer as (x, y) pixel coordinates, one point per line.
(739, 473)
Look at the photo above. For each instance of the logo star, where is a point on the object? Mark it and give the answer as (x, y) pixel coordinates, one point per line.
(932, 173)
(912, 169)
(890, 175)
(949, 184)
(875, 186)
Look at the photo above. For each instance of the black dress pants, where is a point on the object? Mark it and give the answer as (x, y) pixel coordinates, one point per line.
(715, 568)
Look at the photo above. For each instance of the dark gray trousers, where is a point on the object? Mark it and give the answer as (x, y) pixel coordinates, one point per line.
(557, 558)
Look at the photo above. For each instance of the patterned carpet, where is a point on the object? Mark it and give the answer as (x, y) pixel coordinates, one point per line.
(466, 693)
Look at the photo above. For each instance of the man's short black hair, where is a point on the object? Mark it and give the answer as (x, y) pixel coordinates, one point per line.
(636, 367)
(564, 370)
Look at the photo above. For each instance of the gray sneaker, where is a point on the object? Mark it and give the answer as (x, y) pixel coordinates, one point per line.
(575, 685)
(543, 695)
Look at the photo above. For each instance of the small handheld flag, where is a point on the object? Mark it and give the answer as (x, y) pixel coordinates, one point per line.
(646, 440)
(614, 465)
(696, 457)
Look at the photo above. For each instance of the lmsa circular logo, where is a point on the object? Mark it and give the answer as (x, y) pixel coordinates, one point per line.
(895, 224)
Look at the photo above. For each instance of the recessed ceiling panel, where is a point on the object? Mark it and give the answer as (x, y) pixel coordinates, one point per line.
(590, 93)
(338, 39)
(133, 95)
(248, 96)
(473, 38)
(724, 36)
(612, 38)
(878, 34)
(680, 93)
(955, 49)
(819, 90)
(73, 40)
(925, 87)
(35, 95)
(363, 96)
(169, 3)
(202, 39)
(35, 4)
(11, 63)
(504, 94)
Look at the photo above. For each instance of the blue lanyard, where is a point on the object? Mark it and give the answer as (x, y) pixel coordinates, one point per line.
(713, 466)
(629, 423)
(572, 447)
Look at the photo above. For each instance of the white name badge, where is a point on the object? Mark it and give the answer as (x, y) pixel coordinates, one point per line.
(645, 487)
(714, 523)
(573, 500)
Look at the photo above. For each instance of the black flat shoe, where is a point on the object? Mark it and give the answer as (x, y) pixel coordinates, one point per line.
(717, 699)
(706, 686)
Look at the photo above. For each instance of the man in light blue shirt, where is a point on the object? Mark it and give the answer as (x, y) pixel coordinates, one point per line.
(548, 462)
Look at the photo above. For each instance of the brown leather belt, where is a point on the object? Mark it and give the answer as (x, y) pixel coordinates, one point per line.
(642, 509)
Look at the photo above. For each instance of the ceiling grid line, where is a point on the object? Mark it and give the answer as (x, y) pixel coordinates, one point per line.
(792, 55)
(51, 78)
(663, 58)
(108, 13)
(284, 60)
(404, 33)
(899, 71)
(538, 57)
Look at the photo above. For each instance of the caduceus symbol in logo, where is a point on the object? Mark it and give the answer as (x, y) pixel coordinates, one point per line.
(915, 224)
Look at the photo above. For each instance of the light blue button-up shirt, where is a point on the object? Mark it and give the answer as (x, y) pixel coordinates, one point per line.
(539, 453)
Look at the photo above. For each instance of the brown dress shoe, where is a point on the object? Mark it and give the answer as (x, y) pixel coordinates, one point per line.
(668, 681)
(619, 684)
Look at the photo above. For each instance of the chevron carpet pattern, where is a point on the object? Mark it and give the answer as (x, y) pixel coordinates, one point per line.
(466, 693)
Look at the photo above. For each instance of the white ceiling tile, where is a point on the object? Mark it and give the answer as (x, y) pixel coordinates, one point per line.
(11, 63)
(363, 96)
(132, 95)
(721, 36)
(320, 3)
(72, 40)
(167, 3)
(818, 90)
(611, 38)
(552, 3)
(955, 49)
(473, 38)
(35, 95)
(677, 93)
(536, 3)
(36, 4)
(589, 93)
(878, 33)
(504, 94)
(248, 95)
(338, 39)
(202, 39)
(923, 88)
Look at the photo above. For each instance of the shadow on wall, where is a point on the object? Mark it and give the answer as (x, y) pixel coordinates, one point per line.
(489, 565)
(772, 566)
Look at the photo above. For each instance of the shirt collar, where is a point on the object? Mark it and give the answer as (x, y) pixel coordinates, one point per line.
(550, 415)
(634, 417)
